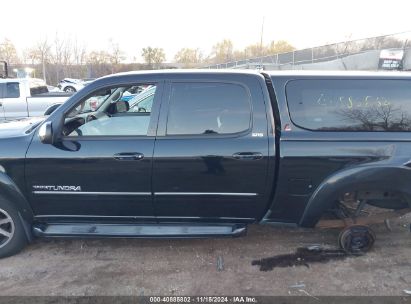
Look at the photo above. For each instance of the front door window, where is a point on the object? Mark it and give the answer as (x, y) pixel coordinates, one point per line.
(116, 111)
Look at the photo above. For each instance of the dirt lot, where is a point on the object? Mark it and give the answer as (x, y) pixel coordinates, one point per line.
(189, 267)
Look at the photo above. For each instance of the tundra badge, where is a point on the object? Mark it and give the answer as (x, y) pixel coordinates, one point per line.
(56, 188)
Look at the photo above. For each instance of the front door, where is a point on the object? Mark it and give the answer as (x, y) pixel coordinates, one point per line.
(102, 167)
(207, 162)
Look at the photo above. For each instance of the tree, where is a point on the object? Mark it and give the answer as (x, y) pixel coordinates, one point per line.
(98, 57)
(79, 53)
(99, 63)
(56, 57)
(30, 56)
(384, 117)
(154, 56)
(278, 47)
(8, 52)
(255, 50)
(40, 52)
(116, 54)
(189, 57)
(222, 51)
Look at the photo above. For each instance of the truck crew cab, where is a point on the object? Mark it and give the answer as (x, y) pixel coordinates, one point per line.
(208, 152)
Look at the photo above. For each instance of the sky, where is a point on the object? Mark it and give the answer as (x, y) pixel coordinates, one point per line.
(175, 24)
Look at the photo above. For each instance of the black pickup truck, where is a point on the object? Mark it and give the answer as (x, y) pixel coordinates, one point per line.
(204, 153)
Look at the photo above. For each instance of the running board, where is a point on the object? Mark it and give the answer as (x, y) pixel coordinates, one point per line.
(137, 231)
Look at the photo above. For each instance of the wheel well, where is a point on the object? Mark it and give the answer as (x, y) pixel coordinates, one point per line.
(350, 198)
(384, 198)
(69, 86)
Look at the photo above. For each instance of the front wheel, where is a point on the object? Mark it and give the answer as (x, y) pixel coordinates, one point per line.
(12, 236)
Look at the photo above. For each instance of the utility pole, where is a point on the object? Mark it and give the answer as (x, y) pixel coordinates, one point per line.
(261, 37)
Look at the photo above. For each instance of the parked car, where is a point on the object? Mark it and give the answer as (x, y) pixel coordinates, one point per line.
(144, 98)
(217, 151)
(142, 102)
(23, 97)
(134, 91)
(72, 85)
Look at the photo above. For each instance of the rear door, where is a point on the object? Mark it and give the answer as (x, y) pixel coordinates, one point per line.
(210, 158)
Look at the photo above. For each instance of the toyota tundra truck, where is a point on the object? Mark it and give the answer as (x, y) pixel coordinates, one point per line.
(209, 153)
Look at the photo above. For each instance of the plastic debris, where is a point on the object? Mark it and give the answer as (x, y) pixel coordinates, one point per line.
(314, 247)
(388, 224)
(220, 263)
(298, 286)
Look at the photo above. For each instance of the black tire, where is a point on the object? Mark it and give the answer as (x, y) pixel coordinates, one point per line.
(11, 223)
(70, 89)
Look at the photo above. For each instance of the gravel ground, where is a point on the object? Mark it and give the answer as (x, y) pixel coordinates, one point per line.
(208, 266)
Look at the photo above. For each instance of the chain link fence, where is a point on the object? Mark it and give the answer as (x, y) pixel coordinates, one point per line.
(361, 54)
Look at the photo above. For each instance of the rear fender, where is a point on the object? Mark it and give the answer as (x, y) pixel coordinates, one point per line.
(369, 178)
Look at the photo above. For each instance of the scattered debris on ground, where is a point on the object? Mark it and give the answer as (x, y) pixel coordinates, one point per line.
(298, 286)
(220, 263)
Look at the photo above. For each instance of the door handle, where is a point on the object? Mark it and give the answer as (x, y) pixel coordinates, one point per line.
(247, 155)
(129, 156)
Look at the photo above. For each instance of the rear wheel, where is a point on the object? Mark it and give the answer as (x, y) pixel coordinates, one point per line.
(12, 235)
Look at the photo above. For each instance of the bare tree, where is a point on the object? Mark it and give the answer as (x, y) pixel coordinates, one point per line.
(279, 46)
(29, 56)
(56, 57)
(79, 53)
(378, 117)
(116, 55)
(42, 51)
(67, 56)
(189, 57)
(99, 62)
(8, 51)
(222, 51)
(153, 56)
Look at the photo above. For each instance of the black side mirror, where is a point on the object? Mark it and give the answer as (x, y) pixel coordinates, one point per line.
(46, 133)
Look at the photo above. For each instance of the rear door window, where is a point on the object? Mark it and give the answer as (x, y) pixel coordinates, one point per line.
(350, 105)
(208, 108)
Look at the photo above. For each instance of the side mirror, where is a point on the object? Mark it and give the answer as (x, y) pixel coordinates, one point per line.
(46, 133)
(122, 106)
